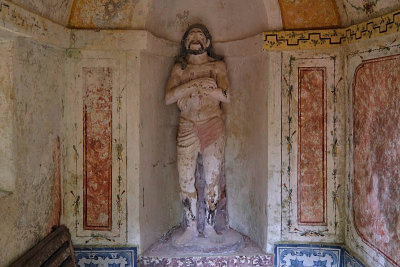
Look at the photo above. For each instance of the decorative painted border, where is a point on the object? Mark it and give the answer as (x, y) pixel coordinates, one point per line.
(73, 186)
(318, 39)
(110, 256)
(289, 223)
(323, 222)
(86, 178)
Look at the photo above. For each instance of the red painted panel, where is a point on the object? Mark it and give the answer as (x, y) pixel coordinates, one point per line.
(311, 176)
(97, 160)
(376, 191)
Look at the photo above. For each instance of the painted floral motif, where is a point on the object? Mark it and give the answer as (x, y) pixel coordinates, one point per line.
(366, 6)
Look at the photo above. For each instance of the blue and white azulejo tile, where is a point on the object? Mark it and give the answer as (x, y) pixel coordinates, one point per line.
(106, 257)
(296, 255)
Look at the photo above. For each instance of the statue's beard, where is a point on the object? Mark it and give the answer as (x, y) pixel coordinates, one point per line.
(198, 51)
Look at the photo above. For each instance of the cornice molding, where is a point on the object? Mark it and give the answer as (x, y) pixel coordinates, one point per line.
(329, 38)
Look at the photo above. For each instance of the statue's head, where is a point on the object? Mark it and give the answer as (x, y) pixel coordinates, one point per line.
(196, 40)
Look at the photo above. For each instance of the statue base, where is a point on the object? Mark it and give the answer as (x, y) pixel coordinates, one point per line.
(235, 250)
(232, 241)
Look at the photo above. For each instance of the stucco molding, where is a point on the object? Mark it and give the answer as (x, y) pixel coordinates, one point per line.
(329, 38)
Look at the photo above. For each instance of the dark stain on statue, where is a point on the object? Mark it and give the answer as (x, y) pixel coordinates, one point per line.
(186, 204)
(210, 216)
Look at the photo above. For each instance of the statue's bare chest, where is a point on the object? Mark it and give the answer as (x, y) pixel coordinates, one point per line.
(192, 72)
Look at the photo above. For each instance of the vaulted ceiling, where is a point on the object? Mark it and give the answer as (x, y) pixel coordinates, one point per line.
(227, 19)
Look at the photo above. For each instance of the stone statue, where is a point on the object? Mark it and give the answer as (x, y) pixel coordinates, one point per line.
(199, 83)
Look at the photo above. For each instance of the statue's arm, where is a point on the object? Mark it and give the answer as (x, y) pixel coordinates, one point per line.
(175, 90)
(221, 93)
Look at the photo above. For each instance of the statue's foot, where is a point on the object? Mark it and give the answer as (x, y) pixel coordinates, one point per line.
(211, 234)
(186, 237)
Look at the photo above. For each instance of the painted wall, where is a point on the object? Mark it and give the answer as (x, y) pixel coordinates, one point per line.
(371, 190)
(308, 14)
(55, 10)
(355, 11)
(7, 157)
(266, 171)
(306, 147)
(160, 206)
(246, 149)
(29, 213)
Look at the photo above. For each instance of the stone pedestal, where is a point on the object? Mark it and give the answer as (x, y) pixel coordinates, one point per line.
(236, 250)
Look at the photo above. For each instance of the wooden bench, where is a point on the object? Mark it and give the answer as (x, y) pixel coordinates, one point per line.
(54, 250)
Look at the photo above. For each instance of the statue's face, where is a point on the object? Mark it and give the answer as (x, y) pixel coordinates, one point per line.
(196, 42)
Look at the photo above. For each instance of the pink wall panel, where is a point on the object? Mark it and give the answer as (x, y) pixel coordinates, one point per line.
(97, 147)
(312, 147)
(376, 191)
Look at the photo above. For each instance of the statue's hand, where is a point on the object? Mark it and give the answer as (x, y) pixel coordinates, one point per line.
(207, 83)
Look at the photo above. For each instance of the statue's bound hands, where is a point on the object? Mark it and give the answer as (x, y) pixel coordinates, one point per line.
(205, 86)
(207, 83)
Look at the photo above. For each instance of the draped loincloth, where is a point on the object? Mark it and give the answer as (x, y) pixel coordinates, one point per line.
(205, 132)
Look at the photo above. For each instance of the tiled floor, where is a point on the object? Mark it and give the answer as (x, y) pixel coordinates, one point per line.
(293, 255)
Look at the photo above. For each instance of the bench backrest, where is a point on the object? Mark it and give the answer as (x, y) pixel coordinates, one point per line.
(54, 250)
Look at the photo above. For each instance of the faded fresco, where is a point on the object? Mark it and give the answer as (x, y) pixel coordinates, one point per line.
(97, 131)
(312, 145)
(356, 11)
(55, 10)
(93, 14)
(308, 14)
(95, 189)
(376, 191)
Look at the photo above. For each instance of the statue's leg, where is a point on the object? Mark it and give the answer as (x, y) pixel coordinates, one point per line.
(186, 169)
(188, 149)
(213, 157)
